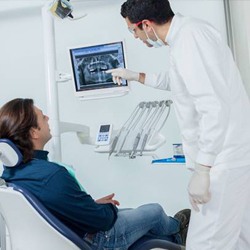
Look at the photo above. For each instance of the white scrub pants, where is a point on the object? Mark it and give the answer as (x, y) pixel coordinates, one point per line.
(224, 222)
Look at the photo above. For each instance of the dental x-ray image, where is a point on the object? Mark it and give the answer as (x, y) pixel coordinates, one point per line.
(90, 64)
(92, 69)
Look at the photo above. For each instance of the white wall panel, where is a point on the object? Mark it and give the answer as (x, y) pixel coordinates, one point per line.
(240, 20)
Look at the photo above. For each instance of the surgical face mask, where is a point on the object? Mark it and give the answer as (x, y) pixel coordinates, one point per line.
(156, 44)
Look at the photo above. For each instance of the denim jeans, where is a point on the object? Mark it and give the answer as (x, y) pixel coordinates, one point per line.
(131, 224)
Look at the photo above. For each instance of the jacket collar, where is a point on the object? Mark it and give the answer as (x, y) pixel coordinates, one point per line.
(40, 155)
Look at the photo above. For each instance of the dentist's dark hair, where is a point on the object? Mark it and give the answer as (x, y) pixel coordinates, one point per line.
(17, 117)
(158, 11)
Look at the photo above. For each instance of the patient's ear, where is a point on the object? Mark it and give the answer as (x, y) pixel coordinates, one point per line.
(34, 133)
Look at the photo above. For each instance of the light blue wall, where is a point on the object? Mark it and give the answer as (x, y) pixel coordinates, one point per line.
(22, 74)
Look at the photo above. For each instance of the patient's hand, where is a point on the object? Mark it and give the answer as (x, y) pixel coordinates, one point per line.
(108, 199)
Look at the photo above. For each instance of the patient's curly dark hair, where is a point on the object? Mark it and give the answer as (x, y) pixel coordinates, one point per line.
(17, 117)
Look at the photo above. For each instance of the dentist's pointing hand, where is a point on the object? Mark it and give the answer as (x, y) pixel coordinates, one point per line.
(120, 73)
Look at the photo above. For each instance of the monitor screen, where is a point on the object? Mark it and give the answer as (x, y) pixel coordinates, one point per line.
(89, 65)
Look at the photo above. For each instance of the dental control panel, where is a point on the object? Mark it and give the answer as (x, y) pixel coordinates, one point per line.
(104, 134)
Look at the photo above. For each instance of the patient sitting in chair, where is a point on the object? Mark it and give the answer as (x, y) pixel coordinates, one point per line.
(99, 222)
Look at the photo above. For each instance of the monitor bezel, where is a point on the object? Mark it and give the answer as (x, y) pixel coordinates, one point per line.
(100, 92)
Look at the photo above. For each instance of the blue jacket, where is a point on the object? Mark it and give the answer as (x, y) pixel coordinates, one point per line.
(60, 193)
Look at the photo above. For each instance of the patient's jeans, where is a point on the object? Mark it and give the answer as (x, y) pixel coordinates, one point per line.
(131, 224)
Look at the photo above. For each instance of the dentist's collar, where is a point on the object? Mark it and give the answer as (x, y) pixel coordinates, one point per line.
(175, 25)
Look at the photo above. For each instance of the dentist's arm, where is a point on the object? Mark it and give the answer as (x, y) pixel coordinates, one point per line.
(120, 73)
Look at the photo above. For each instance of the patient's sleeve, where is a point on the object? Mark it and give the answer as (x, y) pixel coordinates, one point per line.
(64, 198)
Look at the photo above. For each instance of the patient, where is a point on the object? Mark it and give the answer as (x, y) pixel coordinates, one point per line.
(99, 222)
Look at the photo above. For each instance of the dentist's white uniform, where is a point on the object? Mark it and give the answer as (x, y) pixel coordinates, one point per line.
(213, 112)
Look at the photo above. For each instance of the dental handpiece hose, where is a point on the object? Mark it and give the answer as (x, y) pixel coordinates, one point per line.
(144, 122)
(114, 143)
(132, 124)
(135, 145)
(153, 124)
(149, 124)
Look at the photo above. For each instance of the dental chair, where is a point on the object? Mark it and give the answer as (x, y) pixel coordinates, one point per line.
(27, 225)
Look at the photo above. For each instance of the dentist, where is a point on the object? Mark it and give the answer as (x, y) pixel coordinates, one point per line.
(213, 112)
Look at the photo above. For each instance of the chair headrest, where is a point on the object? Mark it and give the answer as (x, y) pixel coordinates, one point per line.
(10, 155)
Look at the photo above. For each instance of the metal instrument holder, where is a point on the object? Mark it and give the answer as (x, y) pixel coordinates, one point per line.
(141, 132)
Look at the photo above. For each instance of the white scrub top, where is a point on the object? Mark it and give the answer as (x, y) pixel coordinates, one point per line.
(212, 106)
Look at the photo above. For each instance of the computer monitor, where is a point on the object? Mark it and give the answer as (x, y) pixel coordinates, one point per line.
(89, 64)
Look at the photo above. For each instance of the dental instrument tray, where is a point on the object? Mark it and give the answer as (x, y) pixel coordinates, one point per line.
(141, 132)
